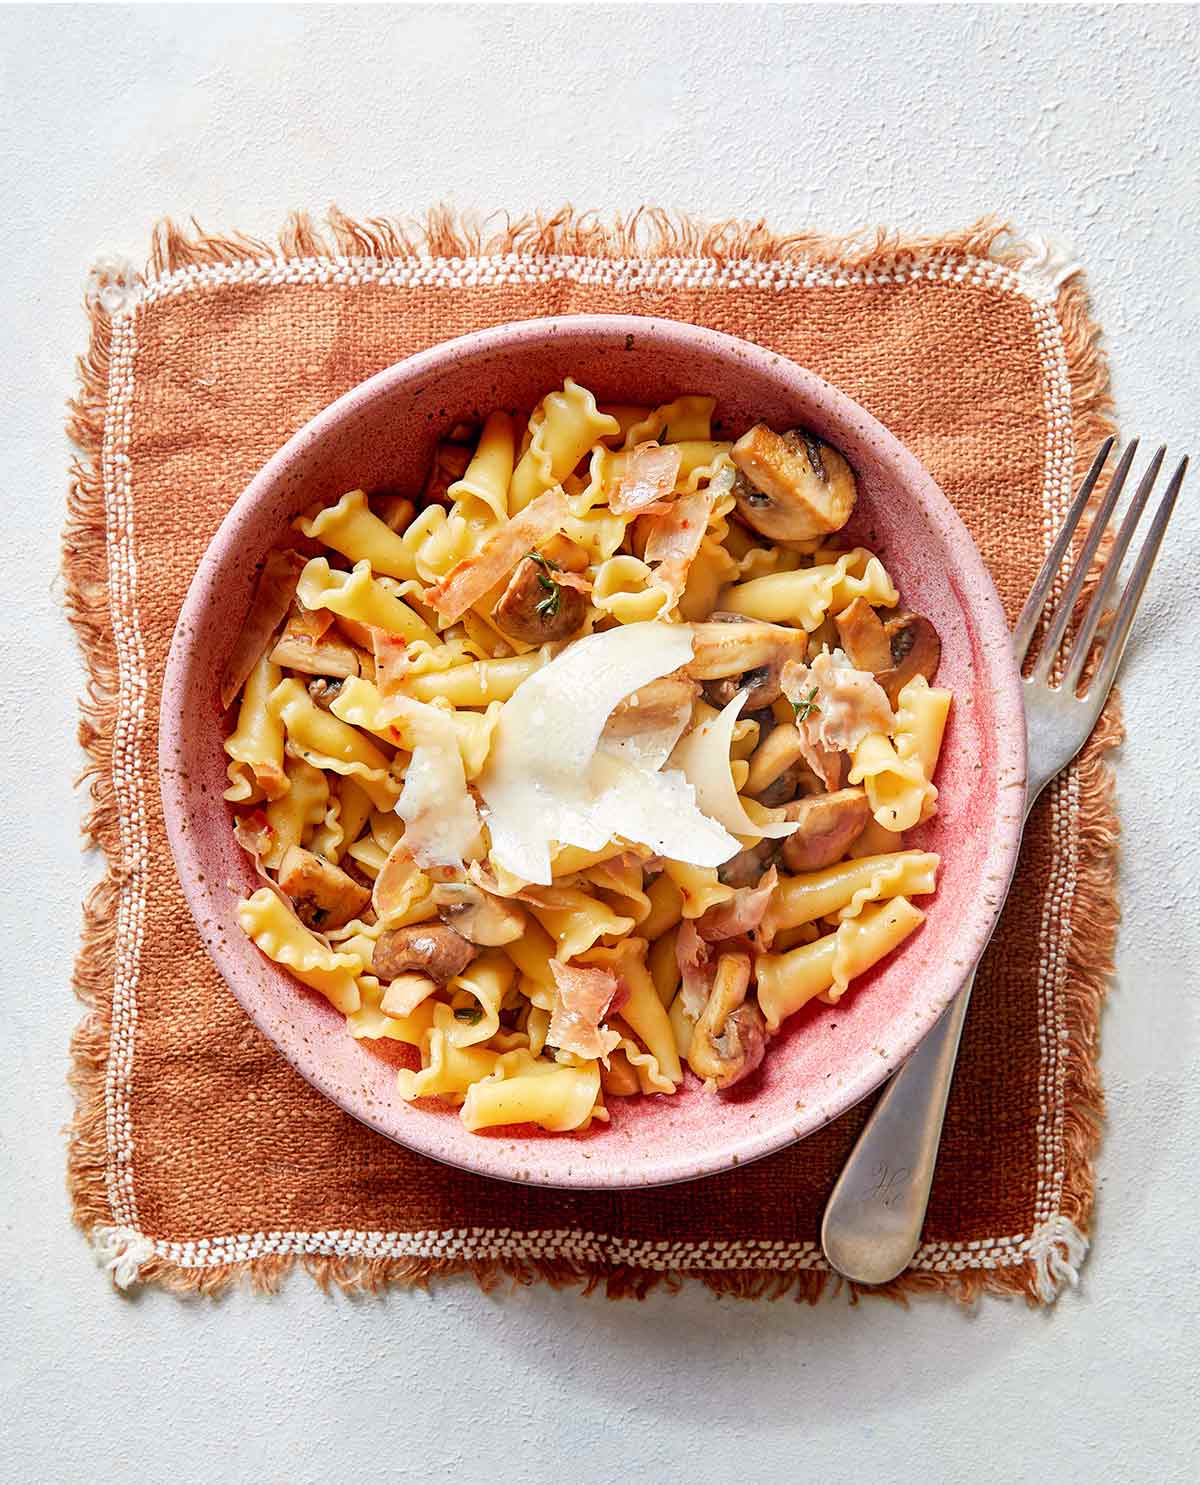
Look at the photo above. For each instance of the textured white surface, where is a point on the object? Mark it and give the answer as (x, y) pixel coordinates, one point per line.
(1078, 122)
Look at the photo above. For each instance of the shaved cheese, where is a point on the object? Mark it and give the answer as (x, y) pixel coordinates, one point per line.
(440, 818)
(581, 999)
(649, 476)
(547, 779)
(703, 757)
(272, 598)
(467, 582)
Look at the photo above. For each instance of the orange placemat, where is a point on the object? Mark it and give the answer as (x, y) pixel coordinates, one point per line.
(197, 1154)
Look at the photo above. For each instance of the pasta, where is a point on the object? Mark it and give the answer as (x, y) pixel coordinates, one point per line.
(595, 757)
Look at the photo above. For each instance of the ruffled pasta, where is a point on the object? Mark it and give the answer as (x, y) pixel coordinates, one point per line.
(327, 742)
(786, 982)
(280, 935)
(805, 596)
(899, 793)
(566, 814)
(256, 744)
(562, 429)
(481, 496)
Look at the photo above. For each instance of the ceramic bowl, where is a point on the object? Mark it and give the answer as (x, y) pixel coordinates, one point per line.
(383, 433)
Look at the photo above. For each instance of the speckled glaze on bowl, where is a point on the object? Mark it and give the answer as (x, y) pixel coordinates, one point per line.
(382, 433)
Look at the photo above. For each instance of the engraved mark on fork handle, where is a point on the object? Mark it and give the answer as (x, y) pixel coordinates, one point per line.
(888, 1185)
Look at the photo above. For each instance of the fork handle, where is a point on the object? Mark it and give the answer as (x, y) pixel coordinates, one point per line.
(873, 1219)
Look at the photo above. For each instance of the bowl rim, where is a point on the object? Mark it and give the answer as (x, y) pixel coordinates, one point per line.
(487, 1158)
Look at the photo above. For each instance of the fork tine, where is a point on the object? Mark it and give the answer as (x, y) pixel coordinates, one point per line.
(1036, 601)
(1114, 644)
(1062, 614)
(1082, 641)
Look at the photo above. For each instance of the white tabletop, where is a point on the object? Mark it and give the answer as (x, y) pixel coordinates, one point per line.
(1082, 123)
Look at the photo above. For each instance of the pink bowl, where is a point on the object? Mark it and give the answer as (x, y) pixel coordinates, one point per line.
(827, 1058)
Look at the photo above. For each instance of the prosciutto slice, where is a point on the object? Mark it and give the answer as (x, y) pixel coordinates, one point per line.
(467, 582)
(743, 912)
(581, 1000)
(650, 474)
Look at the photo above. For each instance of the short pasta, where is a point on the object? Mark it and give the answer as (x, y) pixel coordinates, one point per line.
(580, 769)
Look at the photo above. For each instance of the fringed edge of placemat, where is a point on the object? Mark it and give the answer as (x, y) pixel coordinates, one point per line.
(649, 233)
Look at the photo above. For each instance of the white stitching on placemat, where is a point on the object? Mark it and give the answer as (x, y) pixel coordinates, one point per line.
(125, 1248)
(126, 765)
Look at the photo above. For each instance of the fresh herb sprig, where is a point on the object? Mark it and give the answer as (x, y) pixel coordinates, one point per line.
(547, 606)
(805, 705)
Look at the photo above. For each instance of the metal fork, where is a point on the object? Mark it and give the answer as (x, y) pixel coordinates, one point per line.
(872, 1223)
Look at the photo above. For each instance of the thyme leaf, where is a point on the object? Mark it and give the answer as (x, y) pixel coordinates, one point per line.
(805, 705)
(471, 1014)
(548, 606)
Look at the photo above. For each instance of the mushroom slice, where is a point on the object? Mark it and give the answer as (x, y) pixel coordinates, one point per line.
(731, 656)
(323, 895)
(536, 606)
(730, 1037)
(477, 915)
(431, 949)
(744, 869)
(829, 826)
(324, 691)
(915, 649)
(792, 486)
(863, 637)
(327, 656)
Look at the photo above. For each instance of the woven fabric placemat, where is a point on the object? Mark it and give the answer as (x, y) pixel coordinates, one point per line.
(197, 1154)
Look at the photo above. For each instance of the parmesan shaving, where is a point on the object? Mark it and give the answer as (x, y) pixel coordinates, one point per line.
(440, 819)
(703, 758)
(549, 779)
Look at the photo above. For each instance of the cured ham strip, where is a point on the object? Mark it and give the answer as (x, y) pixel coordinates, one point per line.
(581, 1000)
(847, 704)
(391, 662)
(467, 582)
(674, 538)
(837, 706)
(649, 478)
(272, 598)
(743, 912)
(691, 954)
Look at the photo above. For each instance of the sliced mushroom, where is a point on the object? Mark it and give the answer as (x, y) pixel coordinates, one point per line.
(327, 656)
(729, 655)
(730, 1037)
(916, 650)
(535, 608)
(431, 949)
(323, 895)
(323, 692)
(477, 915)
(745, 869)
(791, 486)
(829, 825)
(652, 706)
(784, 788)
(863, 637)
